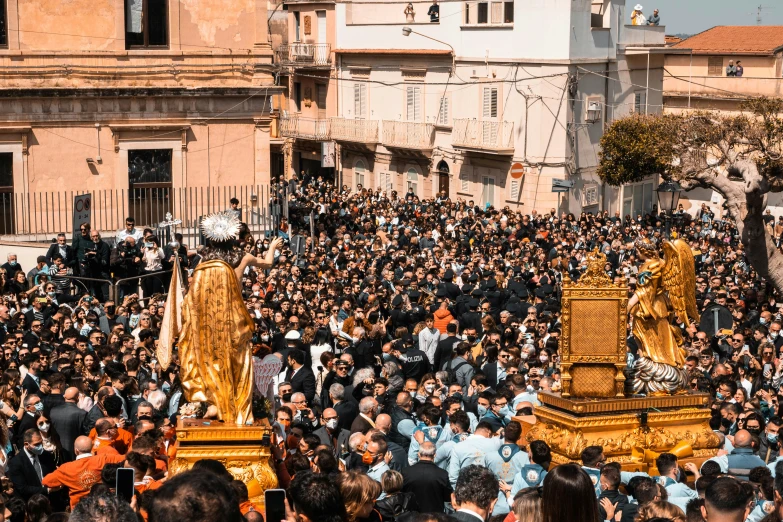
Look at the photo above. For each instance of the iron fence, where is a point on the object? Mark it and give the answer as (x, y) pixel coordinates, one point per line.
(49, 213)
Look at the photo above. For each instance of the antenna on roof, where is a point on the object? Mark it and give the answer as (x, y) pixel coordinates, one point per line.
(758, 12)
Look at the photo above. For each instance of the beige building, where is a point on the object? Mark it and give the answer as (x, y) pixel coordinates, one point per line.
(695, 78)
(490, 102)
(150, 105)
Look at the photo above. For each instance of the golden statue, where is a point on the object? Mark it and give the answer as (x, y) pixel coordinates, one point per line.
(216, 363)
(665, 289)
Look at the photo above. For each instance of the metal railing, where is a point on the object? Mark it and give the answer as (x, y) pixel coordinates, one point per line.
(305, 54)
(114, 284)
(494, 136)
(408, 135)
(48, 213)
(357, 131)
(305, 128)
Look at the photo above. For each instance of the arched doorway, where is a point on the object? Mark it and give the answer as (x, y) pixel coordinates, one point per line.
(443, 178)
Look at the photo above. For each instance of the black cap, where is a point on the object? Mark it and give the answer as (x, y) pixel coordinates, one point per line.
(414, 294)
(521, 291)
(540, 293)
(477, 293)
(397, 300)
(449, 275)
(473, 303)
(441, 292)
(473, 278)
(491, 284)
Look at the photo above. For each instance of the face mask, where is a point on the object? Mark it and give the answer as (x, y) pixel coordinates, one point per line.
(25, 301)
(292, 442)
(147, 245)
(754, 431)
(430, 388)
(504, 411)
(39, 406)
(44, 426)
(543, 358)
(772, 438)
(287, 397)
(265, 338)
(774, 335)
(12, 263)
(111, 309)
(51, 294)
(471, 338)
(331, 424)
(36, 450)
(482, 410)
(457, 396)
(524, 355)
(367, 458)
(762, 320)
(719, 395)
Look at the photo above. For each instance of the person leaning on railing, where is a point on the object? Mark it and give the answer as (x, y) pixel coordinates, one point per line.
(126, 261)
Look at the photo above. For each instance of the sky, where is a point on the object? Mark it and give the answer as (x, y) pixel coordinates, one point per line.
(694, 16)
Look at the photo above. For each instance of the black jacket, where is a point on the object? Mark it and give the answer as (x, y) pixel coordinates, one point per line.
(70, 254)
(615, 497)
(23, 475)
(68, 420)
(347, 411)
(303, 381)
(391, 507)
(429, 484)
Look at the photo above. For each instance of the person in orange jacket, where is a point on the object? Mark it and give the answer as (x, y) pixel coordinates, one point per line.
(81, 474)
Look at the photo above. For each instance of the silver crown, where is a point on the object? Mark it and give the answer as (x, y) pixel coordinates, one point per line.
(221, 226)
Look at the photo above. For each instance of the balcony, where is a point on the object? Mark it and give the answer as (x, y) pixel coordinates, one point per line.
(305, 55)
(643, 36)
(354, 131)
(408, 135)
(496, 137)
(305, 128)
(721, 86)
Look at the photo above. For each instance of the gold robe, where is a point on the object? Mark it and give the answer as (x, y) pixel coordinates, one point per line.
(658, 340)
(214, 343)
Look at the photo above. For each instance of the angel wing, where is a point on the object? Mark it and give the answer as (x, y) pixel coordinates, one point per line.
(679, 279)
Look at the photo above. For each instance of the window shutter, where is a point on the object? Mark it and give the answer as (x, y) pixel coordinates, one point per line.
(490, 102)
(497, 12)
(715, 66)
(413, 112)
(443, 112)
(359, 100)
(464, 184)
(514, 189)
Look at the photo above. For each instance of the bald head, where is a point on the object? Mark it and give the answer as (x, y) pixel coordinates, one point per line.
(71, 394)
(742, 439)
(383, 422)
(82, 445)
(329, 413)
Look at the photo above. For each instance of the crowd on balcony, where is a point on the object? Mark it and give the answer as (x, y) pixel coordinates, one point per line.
(414, 336)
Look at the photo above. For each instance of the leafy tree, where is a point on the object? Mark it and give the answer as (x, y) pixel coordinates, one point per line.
(738, 155)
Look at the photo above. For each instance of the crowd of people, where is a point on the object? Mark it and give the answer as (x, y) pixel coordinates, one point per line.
(413, 335)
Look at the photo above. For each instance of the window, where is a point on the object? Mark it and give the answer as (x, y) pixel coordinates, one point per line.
(464, 182)
(514, 189)
(490, 102)
(146, 23)
(358, 172)
(489, 12)
(320, 92)
(483, 8)
(385, 182)
(297, 27)
(3, 25)
(321, 26)
(487, 191)
(590, 196)
(412, 181)
(297, 97)
(6, 192)
(149, 181)
(443, 111)
(637, 199)
(639, 105)
(413, 110)
(359, 100)
(715, 66)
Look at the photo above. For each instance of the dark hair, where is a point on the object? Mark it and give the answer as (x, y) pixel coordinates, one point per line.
(460, 418)
(611, 475)
(477, 485)
(569, 481)
(727, 495)
(710, 469)
(591, 456)
(38, 508)
(104, 507)
(513, 431)
(317, 497)
(645, 489)
(213, 466)
(665, 463)
(297, 355)
(195, 496)
(113, 405)
(540, 453)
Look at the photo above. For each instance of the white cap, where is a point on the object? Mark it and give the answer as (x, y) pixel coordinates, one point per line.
(638, 7)
(293, 335)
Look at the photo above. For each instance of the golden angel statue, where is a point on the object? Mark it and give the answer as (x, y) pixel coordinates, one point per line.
(665, 290)
(216, 364)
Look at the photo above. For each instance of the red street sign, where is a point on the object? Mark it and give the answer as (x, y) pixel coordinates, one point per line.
(517, 170)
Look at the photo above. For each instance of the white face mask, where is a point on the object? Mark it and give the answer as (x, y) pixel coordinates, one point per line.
(44, 426)
(543, 358)
(430, 388)
(331, 424)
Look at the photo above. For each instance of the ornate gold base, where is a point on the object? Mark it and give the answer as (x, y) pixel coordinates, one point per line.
(238, 448)
(622, 425)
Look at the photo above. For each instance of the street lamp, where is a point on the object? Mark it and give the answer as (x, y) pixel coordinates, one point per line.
(668, 199)
(406, 31)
